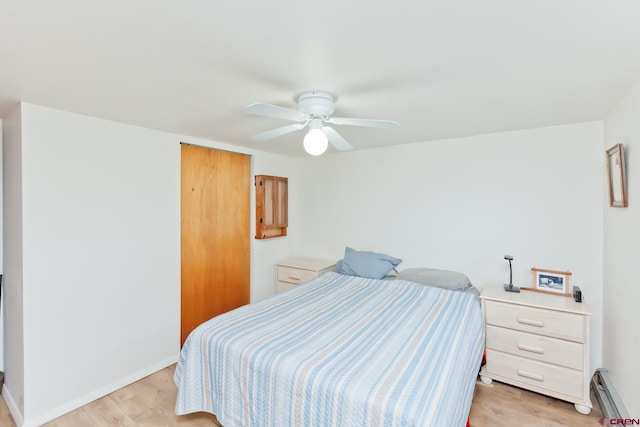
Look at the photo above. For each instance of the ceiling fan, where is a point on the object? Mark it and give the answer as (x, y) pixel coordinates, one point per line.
(314, 110)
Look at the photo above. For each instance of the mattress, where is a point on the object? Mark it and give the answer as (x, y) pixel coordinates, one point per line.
(337, 351)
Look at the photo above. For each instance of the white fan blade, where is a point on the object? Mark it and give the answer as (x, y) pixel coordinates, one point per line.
(273, 133)
(336, 139)
(386, 124)
(269, 110)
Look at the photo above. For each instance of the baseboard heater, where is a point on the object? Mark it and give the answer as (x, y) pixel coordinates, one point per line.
(607, 397)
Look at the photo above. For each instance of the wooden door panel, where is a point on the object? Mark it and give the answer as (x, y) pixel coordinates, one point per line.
(215, 203)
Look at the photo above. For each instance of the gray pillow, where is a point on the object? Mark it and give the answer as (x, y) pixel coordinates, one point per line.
(446, 279)
(367, 264)
(472, 290)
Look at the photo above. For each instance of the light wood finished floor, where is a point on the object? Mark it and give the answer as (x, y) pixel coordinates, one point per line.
(150, 402)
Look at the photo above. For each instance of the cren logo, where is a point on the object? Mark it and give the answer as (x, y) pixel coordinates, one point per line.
(619, 421)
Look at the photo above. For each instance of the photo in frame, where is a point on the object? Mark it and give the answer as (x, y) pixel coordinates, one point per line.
(617, 179)
(551, 281)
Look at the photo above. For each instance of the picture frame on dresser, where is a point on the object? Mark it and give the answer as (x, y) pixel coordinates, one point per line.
(551, 281)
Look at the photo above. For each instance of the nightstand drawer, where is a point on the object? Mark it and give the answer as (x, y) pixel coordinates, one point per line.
(551, 323)
(544, 349)
(295, 271)
(284, 286)
(518, 370)
(295, 275)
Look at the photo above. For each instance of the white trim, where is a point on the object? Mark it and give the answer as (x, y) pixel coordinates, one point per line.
(96, 394)
(13, 408)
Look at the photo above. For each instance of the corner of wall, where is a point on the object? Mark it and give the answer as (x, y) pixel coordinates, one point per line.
(621, 295)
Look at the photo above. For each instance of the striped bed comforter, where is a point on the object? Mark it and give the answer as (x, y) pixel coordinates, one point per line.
(337, 351)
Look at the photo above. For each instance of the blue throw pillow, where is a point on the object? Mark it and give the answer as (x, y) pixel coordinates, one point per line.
(367, 264)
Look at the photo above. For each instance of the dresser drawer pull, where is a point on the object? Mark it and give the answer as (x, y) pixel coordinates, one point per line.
(531, 349)
(531, 376)
(530, 322)
(294, 277)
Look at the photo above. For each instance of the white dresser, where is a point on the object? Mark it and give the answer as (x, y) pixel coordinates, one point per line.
(539, 342)
(295, 271)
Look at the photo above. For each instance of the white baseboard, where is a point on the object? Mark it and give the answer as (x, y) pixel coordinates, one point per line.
(11, 404)
(90, 397)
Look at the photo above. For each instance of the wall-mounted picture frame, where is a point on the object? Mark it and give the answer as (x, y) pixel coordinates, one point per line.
(617, 176)
(551, 281)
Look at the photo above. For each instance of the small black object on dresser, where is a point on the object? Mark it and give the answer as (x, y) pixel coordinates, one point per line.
(577, 294)
(509, 286)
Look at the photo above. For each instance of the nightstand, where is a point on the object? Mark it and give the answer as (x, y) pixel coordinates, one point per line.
(539, 342)
(295, 271)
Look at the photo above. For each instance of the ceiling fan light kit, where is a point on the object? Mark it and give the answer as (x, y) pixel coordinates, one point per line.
(314, 109)
(315, 142)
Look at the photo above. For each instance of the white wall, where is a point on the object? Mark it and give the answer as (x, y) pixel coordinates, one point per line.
(101, 241)
(622, 259)
(463, 204)
(267, 252)
(101, 257)
(12, 263)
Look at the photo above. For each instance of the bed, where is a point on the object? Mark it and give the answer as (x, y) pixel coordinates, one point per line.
(337, 351)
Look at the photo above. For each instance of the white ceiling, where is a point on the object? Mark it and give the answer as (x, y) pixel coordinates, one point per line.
(442, 69)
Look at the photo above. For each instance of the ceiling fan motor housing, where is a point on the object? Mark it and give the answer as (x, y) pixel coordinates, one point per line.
(316, 104)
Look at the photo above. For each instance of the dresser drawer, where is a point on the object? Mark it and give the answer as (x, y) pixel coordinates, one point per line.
(551, 323)
(284, 286)
(521, 371)
(544, 349)
(295, 275)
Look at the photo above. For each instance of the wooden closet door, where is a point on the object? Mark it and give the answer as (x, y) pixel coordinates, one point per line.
(215, 203)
